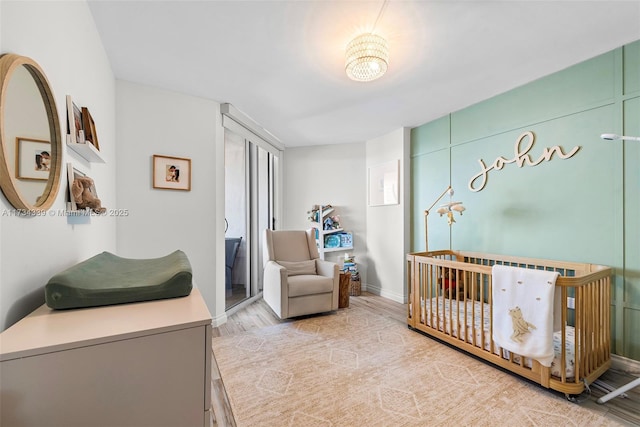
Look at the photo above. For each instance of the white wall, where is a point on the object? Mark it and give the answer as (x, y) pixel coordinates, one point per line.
(328, 174)
(61, 37)
(387, 233)
(155, 121)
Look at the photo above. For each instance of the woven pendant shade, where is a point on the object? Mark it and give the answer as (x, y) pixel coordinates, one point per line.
(367, 57)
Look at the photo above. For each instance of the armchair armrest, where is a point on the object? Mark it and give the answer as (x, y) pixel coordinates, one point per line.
(330, 269)
(275, 273)
(275, 288)
(273, 265)
(327, 268)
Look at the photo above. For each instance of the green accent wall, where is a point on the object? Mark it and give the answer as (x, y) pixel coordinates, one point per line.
(585, 208)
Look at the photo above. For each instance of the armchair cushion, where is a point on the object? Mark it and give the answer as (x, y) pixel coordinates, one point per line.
(296, 268)
(309, 285)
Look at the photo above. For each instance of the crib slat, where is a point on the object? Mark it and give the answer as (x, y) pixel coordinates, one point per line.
(474, 333)
(563, 333)
(484, 278)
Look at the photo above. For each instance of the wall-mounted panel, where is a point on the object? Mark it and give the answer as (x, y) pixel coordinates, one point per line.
(430, 137)
(632, 204)
(559, 209)
(631, 341)
(576, 88)
(430, 178)
(631, 66)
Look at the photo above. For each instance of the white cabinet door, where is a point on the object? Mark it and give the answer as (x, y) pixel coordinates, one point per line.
(154, 380)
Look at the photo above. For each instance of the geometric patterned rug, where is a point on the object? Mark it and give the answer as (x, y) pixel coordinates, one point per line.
(357, 368)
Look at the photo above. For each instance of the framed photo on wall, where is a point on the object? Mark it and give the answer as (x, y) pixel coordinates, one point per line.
(72, 174)
(33, 159)
(83, 195)
(75, 128)
(383, 184)
(171, 173)
(90, 134)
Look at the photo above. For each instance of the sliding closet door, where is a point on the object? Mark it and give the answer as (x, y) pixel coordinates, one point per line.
(264, 174)
(236, 220)
(250, 176)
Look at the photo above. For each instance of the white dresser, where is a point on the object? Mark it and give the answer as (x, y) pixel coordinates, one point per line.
(129, 365)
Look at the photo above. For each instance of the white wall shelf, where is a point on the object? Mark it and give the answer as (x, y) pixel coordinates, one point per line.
(335, 230)
(340, 248)
(87, 151)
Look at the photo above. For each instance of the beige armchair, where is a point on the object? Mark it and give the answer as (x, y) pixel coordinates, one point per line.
(296, 280)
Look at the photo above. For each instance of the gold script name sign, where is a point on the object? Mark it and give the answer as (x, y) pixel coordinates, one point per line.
(521, 158)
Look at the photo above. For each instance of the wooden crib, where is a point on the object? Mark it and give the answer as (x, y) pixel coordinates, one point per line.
(450, 299)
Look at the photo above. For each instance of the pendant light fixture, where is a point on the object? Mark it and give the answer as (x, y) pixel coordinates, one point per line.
(367, 55)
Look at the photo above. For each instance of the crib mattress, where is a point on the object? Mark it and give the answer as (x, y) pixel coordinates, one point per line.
(107, 279)
(479, 315)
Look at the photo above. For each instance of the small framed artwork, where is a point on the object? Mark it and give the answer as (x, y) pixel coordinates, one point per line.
(33, 159)
(84, 194)
(89, 126)
(74, 122)
(72, 174)
(171, 173)
(383, 184)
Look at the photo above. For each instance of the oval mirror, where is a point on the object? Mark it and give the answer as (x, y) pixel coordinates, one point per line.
(30, 138)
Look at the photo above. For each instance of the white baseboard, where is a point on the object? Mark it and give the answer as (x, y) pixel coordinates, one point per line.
(219, 320)
(623, 364)
(376, 290)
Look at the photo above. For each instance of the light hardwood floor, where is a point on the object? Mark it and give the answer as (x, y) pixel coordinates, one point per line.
(259, 315)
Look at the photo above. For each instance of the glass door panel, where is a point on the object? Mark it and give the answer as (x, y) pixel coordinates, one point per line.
(236, 233)
(264, 215)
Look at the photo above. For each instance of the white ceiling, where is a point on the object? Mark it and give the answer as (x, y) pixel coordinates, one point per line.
(282, 62)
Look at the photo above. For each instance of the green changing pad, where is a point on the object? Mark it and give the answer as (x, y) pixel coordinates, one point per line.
(107, 279)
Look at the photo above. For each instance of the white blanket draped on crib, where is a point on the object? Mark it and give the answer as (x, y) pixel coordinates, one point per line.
(523, 306)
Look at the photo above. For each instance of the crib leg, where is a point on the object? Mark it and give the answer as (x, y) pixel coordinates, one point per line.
(577, 398)
(621, 390)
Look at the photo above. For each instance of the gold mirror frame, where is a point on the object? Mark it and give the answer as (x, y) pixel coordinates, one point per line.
(8, 64)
